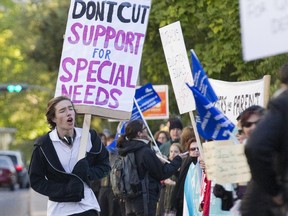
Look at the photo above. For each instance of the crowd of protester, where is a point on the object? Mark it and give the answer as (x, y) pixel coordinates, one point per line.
(253, 198)
(262, 131)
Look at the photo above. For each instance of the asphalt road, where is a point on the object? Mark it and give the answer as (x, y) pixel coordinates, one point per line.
(24, 202)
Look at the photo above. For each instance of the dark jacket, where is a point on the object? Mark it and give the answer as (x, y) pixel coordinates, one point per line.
(148, 162)
(48, 177)
(266, 151)
(178, 192)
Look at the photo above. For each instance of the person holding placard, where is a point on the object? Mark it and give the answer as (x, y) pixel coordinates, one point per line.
(150, 168)
(54, 170)
(266, 151)
(178, 193)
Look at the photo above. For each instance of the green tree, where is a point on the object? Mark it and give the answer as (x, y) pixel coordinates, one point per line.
(23, 110)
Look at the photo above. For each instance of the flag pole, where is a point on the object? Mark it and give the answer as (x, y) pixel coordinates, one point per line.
(233, 137)
(150, 133)
(192, 118)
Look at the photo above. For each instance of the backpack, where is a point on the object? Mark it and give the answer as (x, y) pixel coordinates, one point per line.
(124, 178)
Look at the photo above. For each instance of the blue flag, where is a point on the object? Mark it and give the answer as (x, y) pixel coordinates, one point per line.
(211, 123)
(201, 81)
(146, 98)
(120, 130)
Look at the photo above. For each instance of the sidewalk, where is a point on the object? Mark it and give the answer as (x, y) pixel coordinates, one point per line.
(38, 204)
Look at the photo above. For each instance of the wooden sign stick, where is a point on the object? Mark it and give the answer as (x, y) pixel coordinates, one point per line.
(84, 136)
(267, 79)
(193, 121)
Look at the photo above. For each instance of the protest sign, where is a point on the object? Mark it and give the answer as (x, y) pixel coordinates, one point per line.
(160, 110)
(225, 162)
(264, 28)
(235, 97)
(101, 55)
(146, 97)
(178, 65)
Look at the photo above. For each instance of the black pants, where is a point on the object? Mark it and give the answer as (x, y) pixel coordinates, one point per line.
(109, 204)
(135, 207)
(86, 213)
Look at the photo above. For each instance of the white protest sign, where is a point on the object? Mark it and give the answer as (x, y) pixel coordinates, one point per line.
(226, 162)
(178, 65)
(101, 55)
(264, 28)
(235, 97)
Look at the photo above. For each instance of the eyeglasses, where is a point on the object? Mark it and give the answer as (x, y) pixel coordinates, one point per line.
(249, 124)
(240, 131)
(144, 128)
(194, 149)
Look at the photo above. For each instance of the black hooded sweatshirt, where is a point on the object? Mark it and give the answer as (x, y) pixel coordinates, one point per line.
(148, 162)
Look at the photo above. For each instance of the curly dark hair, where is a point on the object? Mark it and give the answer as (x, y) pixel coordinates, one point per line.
(50, 111)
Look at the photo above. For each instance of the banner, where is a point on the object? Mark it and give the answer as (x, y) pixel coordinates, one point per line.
(102, 53)
(178, 65)
(235, 97)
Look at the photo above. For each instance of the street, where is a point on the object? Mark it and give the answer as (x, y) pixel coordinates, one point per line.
(21, 203)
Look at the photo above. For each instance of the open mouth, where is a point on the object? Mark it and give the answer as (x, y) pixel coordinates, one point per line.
(70, 120)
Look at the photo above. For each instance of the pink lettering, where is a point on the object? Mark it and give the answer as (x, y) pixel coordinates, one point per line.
(120, 36)
(120, 76)
(74, 32)
(85, 33)
(88, 93)
(129, 42)
(116, 102)
(81, 65)
(64, 90)
(65, 69)
(109, 35)
(100, 31)
(129, 77)
(102, 97)
(104, 64)
(77, 92)
(91, 71)
(138, 36)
